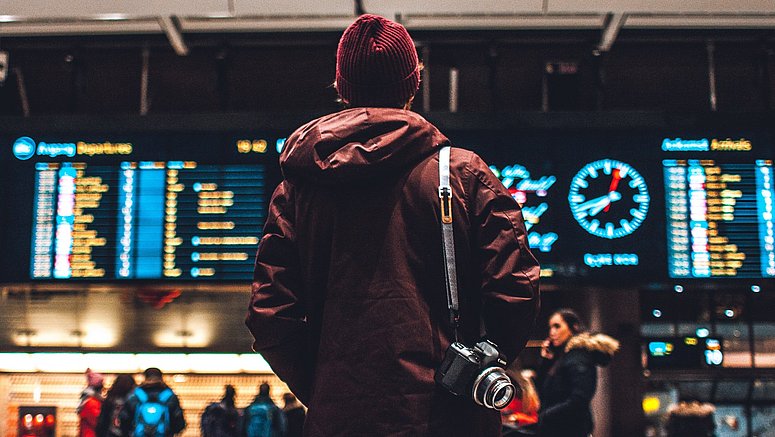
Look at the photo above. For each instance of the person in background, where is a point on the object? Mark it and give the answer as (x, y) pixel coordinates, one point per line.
(153, 409)
(691, 419)
(294, 415)
(90, 404)
(221, 419)
(567, 377)
(262, 418)
(522, 413)
(348, 300)
(108, 423)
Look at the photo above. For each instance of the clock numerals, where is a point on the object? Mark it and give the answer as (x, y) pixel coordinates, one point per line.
(609, 198)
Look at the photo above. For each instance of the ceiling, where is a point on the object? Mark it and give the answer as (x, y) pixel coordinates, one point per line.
(176, 18)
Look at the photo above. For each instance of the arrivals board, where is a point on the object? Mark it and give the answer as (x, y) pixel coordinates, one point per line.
(640, 206)
(719, 219)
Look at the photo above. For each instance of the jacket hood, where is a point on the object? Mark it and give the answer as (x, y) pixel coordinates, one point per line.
(358, 144)
(601, 346)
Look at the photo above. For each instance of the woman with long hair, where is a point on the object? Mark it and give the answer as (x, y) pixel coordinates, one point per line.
(108, 424)
(567, 377)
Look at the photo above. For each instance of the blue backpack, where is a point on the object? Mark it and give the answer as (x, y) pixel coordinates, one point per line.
(152, 416)
(258, 420)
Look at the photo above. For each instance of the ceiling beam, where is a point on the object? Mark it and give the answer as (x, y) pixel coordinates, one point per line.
(171, 28)
(613, 24)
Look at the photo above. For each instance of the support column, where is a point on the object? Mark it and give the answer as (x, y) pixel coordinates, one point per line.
(617, 406)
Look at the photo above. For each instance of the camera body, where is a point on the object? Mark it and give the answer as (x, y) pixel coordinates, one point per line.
(477, 371)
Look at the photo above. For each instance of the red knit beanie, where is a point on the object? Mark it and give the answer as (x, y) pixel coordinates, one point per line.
(376, 63)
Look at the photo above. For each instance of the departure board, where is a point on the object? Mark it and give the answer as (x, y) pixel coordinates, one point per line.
(719, 219)
(146, 220)
(137, 207)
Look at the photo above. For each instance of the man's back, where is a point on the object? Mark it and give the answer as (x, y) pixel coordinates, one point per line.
(349, 304)
(363, 219)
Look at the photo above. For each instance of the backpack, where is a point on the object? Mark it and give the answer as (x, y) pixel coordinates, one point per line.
(258, 420)
(114, 425)
(152, 416)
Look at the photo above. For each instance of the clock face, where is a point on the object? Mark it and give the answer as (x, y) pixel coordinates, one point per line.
(609, 198)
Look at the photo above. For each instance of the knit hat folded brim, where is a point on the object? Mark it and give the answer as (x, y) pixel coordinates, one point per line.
(376, 63)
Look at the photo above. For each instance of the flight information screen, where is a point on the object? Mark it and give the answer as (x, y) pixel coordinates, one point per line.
(122, 210)
(602, 206)
(146, 220)
(640, 206)
(719, 219)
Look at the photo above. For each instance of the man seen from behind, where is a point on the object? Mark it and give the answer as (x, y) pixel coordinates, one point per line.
(349, 301)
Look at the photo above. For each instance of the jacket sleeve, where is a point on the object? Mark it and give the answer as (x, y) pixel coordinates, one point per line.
(277, 316)
(177, 419)
(509, 272)
(581, 377)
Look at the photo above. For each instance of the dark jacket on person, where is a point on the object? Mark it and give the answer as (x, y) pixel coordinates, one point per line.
(294, 419)
(568, 382)
(153, 389)
(108, 424)
(349, 303)
(220, 419)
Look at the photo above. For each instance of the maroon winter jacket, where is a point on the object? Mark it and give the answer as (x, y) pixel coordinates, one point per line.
(349, 304)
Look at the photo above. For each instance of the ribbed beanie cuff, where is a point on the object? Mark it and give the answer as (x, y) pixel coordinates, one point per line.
(376, 63)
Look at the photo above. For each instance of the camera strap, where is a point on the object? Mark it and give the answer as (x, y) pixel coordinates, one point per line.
(448, 248)
(448, 238)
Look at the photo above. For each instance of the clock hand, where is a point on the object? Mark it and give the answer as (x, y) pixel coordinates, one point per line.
(593, 203)
(614, 183)
(605, 203)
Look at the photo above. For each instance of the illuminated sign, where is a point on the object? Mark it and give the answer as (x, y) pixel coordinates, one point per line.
(719, 219)
(255, 146)
(680, 145)
(609, 198)
(146, 220)
(610, 259)
(516, 178)
(705, 145)
(25, 148)
(684, 353)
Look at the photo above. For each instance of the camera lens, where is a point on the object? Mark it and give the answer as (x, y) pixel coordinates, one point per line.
(493, 389)
(502, 393)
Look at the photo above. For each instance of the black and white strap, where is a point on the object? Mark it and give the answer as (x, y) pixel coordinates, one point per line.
(445, 197)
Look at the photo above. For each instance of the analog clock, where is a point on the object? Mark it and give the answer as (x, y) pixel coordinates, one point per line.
(609, 198)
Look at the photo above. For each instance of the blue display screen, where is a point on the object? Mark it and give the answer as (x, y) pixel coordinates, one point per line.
(122, 210)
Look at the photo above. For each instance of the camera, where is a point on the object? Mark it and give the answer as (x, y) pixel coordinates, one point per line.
(477, 371)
